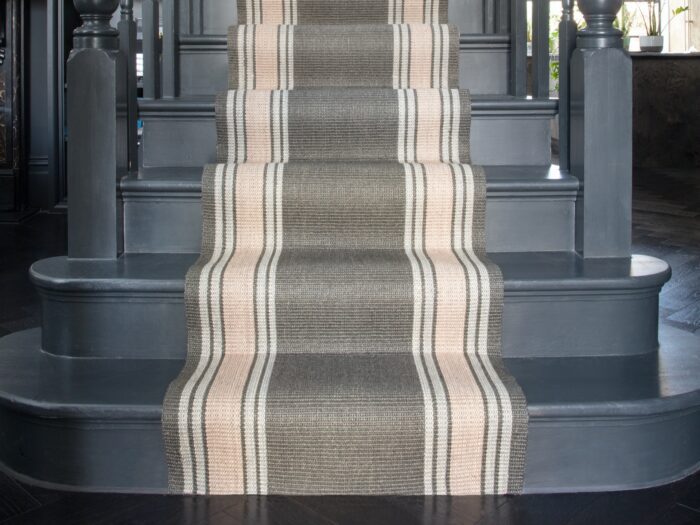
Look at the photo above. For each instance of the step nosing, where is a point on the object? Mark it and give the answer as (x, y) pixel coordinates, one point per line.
(539, 411)
(205, 105)
(151, 284)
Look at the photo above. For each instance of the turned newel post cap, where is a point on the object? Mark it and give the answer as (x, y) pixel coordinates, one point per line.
(127, 9)
(96, 31)
(599, 31)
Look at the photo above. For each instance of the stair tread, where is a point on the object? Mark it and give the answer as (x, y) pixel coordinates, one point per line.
(204, 104)
(522, 271)
(133, 389)
(499, 179)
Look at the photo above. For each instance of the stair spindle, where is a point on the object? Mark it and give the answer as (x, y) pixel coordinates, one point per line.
(540, 48)
(518, 48)
(127, 45)
(151, 48)
(567, 43)
(170, 48)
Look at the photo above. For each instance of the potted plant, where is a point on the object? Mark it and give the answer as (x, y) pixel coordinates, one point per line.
(624, 24)
(653, 41)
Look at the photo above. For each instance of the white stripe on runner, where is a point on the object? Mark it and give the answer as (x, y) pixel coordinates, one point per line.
(501, 483)
(290, 57)
(464, 206)
(418, 293)
(428, 342)
(456, 117)
(411, 124)
(445, 47)
(186, 453)
(262, 347)
(272, 324)
(217, 326)
(239, 116)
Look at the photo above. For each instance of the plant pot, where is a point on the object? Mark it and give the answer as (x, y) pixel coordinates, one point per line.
(651, 44)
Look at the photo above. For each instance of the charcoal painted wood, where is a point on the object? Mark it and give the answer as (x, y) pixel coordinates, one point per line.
(127, 45)
(540, 48)
(567, 43)
(601, 134)
(579, 333)
(518, 50)
(96, 104)
(170, 52)
(556, 305)
(151, 48)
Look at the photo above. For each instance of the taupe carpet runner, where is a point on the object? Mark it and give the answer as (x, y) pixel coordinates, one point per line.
(344, 321)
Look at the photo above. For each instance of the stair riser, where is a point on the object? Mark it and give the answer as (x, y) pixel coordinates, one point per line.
(528, 222)
(498, 138)
(603, 454)
(551, 324)
(204, 68)
(606, 453)
(217, 15)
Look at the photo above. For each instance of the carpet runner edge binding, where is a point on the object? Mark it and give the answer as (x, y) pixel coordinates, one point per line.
(343, 319)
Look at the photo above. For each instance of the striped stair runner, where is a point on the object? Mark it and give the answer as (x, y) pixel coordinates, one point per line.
(344, 321)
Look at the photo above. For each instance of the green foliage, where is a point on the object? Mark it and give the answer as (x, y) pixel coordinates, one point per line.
(652, 20)
(624, 21)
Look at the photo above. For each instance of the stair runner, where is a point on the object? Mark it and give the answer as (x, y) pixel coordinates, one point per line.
(344, 322)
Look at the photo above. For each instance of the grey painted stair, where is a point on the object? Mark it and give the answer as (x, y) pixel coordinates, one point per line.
(530, 208)
(505, 130)
(556, 305)
(596, 423)
(204, 68)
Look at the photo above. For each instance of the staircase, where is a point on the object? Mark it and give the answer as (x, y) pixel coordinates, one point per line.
(610, 408)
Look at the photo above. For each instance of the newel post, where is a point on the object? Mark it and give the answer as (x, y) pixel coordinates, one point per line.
(97, 133)
(601, 134)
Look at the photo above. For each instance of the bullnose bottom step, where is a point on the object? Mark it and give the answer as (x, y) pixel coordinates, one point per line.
(596, 423)
(556, 304)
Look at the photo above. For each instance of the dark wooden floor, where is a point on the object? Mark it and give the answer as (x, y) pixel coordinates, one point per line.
(666, 225)
(666, 211)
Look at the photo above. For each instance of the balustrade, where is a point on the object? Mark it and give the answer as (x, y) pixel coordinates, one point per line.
(594, 104)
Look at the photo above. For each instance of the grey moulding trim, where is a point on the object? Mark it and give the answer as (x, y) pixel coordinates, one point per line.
(625, 411)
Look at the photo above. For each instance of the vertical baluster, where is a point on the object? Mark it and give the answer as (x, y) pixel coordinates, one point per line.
(170, 40)
(540, 48)
(567, 42)
(502, 12)
(489, 7)
(96, 154)
(518, 48)
(197, 21)
(127, 45)
(151, 48)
